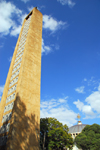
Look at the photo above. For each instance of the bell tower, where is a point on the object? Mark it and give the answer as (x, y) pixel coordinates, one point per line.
(20, 103)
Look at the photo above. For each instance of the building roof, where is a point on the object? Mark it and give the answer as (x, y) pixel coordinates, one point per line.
(77, 128)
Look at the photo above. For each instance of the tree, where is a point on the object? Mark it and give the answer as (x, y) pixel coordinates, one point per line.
(89, 138)
(43, 132)
(54, 135)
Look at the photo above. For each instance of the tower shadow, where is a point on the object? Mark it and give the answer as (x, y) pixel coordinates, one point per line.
(24, 129)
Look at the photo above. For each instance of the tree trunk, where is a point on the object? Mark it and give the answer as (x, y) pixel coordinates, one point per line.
(44, 140)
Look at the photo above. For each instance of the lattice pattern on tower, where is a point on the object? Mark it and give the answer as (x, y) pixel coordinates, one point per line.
(13, 83)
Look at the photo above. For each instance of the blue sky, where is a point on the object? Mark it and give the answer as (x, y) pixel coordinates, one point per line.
(70, 74)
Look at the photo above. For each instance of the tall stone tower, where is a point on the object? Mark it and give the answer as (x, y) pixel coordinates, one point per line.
(20, 104)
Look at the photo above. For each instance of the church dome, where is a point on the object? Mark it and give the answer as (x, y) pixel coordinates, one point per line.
(77, 128)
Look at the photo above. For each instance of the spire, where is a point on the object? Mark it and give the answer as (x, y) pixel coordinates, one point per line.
(79, 122)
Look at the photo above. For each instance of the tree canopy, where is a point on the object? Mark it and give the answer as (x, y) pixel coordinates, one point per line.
(89, 138)
(54, 135)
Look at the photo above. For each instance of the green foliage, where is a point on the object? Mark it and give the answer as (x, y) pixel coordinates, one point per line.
(89, 138)
(54, 135)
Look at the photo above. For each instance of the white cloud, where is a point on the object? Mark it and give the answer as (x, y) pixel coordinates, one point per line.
(52, 24)
(92, 108)
(10, 59)
(2, 44)
(59, 109)
(94, 100)
(15, 30)
(30, 8)
(22, 17)
(67, 2)
(86, 109)
(56, 46)
(39, 8)
(80, 89)
(1, 90)
(93, 81)
(79, 104)
(62, 100)
(7, 12)
(25, 1)
(85, 79)
(45, 48)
